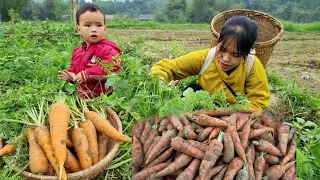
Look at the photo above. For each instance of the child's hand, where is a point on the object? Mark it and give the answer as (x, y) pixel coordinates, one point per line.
(78, 78)
(66, 76)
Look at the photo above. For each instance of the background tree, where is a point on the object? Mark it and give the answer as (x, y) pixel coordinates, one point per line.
(16, 5)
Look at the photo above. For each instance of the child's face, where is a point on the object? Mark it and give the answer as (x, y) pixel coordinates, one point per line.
(228, 56)
(91, 26)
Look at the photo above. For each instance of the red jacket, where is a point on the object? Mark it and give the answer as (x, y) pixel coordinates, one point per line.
(84, 60)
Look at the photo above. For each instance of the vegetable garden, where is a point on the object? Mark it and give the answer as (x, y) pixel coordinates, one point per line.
(28, 75)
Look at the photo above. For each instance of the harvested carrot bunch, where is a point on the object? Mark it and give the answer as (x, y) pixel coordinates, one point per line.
(217, 144)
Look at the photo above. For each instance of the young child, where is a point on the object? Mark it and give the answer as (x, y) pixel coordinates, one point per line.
(228, 67)
(85, 68)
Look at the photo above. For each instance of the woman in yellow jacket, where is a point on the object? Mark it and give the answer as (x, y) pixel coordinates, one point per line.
(228, 68)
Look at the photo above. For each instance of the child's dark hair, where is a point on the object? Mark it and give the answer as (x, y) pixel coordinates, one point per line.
(243, 30)
(89, 7)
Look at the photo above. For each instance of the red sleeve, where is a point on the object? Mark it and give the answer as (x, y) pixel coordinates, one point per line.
(72, 67)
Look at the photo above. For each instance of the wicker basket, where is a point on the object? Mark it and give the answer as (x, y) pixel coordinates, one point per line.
(270, 30)
(93, 171)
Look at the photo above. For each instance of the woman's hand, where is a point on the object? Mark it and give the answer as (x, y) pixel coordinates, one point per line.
(66, 76)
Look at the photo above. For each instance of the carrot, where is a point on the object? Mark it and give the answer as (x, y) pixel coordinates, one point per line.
(259, 165)
(255, 115)
(260, 132)
(190, 172)
(221, 173)
(236, 142)
(257, 125)
(137, 152)
(81, 145)
(204, 134)
(143, 174)
(180, 162)
(72, 162)
(170, 126)
(152, 177)
(276, 171)
(293, 130)
(228, 148)
(218, 112)
(233, 119)
(187, 128)
(156, 120)
(244, 135)
(161, 158)
(42, 136)
(202, 146)
(215, 132)
(242, 121)
(135, 169)
(163, 142)
(154, 142)
(267, 137)
(163, 125)
(289, 174)
(38, 162)
(283, 133)
(214, 171)
(243, 173)
(89, 128)
(211, 155)
(59, 116)
(266, 146)
(8, 149)
(174, 120)
(205, 120)
(250, 153)
(102, 145)
(271, 159)
(105, 127)
(138, 128)
(291, 151)
(68, 142)
(153, 134)
(50, 170)
(145, 132)
(270, 123)
(182, 145)
(234, 167)
(196, 127)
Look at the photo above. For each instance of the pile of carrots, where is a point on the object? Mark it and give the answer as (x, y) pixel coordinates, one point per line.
(217, 144)
(59, 149)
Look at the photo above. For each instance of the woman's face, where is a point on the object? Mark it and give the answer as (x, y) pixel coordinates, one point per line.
(228, 56)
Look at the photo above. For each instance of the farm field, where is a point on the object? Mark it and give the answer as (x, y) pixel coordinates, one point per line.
(29, 66)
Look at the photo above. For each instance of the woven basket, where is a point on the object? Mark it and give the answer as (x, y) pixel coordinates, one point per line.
(93, 171)
(270, 30)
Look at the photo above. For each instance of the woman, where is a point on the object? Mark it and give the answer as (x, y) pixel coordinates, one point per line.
(231, 68)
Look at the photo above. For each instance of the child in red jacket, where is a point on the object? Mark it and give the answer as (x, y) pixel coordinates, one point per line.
(89, 61)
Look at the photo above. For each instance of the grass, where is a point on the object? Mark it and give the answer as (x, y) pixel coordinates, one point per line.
(301, 27)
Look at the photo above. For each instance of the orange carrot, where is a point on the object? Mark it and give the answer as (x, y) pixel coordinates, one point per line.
(59, 116)
(215, 132)
(190, 172)
(174, 120)
(161, 158)
(243, 173)
(259, 165)
(205, 120)
(154, 142)
(244, 135)
(81, 145)
(8, 149)
(211, 155)
(102, 145)
(170, 126)
(38, 162)
(270, 123)
(289, 174)
(250, 153)
(291, 151)
(180, 162)
(72, 162)
(218, 112)
(233, 119)
(236, 142)
(135, 169)
(137, 152)
(89, 128)
(145, 132)
(228, 147)
(266, 146)
(196, 127)
(204, 134)
(105, 127)
(221, 173)
(42, 136)
(242, 121)
(153, 134)
(163, 142)
(276, 171)
(138, 128)
(271, 159)
(259, 132)
(182, 145)
(163, 125)
(234, 167)
(257, 125)
(283, 133)
(202, 146)
(143, 174)
(293, 130)
(187, 128)
(214, 171)
(69, 142)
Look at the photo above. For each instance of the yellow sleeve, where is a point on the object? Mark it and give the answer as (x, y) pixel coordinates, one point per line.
(181, 67)
(257, 87)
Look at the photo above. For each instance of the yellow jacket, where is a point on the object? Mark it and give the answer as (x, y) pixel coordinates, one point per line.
(212, 80)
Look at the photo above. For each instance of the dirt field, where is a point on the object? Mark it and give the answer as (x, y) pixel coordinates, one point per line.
(296, 56)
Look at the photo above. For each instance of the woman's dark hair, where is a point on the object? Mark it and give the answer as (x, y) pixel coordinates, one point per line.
(89, 7)
(243, 30)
